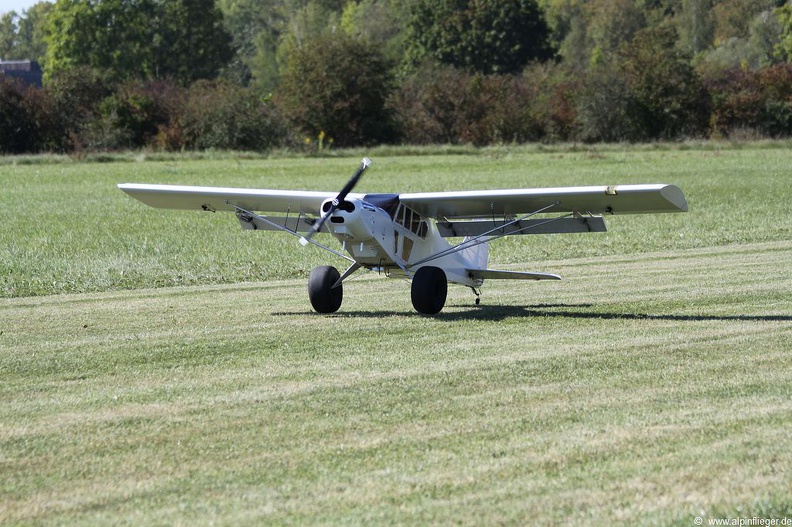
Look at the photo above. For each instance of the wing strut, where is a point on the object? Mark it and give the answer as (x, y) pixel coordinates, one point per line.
(247, 216)
(477, 240)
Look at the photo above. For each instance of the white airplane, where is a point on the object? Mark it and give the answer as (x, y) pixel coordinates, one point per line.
(404, 235)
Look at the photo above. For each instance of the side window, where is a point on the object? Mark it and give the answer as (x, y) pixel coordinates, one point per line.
(412, 221)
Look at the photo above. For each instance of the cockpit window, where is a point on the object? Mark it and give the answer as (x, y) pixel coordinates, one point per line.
(412, 221)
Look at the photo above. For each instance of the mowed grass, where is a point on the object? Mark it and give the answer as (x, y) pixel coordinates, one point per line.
(652, 386)
(66, 228)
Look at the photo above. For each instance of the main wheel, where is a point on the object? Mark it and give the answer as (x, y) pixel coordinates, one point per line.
(324, 297)
(429, 290)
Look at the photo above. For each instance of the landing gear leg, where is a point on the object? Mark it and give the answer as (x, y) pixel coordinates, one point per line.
(478, 295)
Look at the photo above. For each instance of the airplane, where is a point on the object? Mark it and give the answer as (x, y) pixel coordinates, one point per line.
(405, 235)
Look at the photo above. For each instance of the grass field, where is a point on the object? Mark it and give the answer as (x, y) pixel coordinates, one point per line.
(164, 368)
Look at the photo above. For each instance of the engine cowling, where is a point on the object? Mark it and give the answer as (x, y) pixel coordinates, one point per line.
(351, 221)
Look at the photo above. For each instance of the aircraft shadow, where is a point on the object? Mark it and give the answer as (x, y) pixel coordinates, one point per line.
(579, 311)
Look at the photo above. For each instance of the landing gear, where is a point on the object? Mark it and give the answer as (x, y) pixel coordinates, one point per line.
(324, 297)
(429, 290)
(478, 295)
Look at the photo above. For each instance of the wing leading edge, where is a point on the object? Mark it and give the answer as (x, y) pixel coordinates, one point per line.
(618, 199)
(224, 199)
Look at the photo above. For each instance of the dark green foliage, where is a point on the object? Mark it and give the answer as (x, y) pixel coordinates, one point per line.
(190, 42)
(122, 73)
(74, 95)
(337, 86)
(605, 110)
(487, 36)
(153, 39)
(669, 100)
(23, 35)
(649, 92)
(441, 104)
(136, 114)
(756, 101)
(221, 115)
(18, 130)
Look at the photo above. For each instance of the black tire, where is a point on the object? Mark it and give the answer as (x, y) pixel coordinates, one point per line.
(324, 297)
(429, 290)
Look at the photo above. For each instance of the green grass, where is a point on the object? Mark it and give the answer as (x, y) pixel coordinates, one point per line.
(651, 386)
(66, 228)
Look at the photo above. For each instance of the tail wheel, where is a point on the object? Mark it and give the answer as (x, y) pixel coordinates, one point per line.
(429, 290)
(324, 297)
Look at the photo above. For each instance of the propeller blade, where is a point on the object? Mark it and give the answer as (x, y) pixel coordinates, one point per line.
(337, 201)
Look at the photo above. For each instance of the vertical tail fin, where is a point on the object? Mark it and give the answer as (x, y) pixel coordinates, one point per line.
(477, 255)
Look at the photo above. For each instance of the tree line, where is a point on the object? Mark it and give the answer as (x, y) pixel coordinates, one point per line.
(315, 74)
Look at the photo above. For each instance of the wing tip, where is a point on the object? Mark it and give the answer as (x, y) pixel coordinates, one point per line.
(675, 196)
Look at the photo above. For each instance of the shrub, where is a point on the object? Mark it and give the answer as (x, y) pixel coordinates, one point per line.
(752, 100)
(222, 115)
(604, 109)
(18, 131)
(441, 104)
(669, 99)
(136, 113)
(72, 106)
(337, 85)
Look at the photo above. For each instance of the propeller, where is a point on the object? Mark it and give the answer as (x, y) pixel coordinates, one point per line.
(336, 203)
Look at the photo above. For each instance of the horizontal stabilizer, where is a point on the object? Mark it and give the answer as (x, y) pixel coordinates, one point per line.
(483, 274)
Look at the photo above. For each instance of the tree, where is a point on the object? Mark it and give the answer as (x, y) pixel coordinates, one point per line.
(382, 22)
(255, 27)
(32, 31)
(610, 24)
(696, 25)
(8, 33)
(23, 37)
(72, 99)
(154, 39)
(337, 86)
(783, 50)
(670, 100)
(733, 17)
(605, 110)
(264, 32)
(190, 40)
(488, 36)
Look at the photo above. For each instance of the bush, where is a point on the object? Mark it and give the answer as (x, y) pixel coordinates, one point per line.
(752, 100)
(338, 86)
(222, 115)
(441, 104)
(434, 105)
(605, 111)
(556, 100)
(669, 101)
(72, 107)
(135, 115)
(18, 130)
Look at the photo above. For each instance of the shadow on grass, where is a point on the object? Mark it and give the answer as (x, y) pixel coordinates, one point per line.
(580, 311)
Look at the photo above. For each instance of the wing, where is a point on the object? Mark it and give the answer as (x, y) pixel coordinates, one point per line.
(620, 199)
(224, 199)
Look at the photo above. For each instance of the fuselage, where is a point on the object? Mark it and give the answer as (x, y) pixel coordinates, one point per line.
(381, 233)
